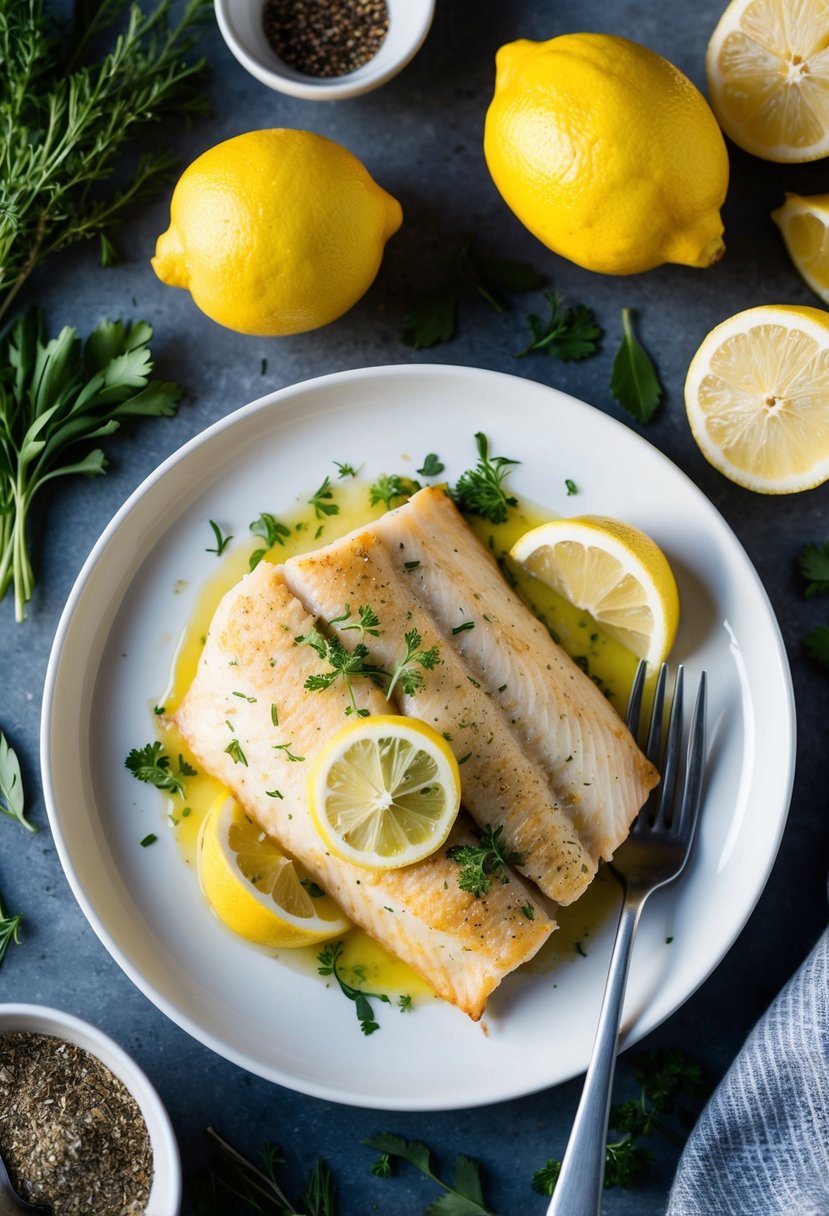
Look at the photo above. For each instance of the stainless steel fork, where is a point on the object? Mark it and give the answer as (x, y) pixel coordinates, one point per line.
(654, 854)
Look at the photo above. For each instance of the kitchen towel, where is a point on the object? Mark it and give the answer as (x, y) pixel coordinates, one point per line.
(761, 1146)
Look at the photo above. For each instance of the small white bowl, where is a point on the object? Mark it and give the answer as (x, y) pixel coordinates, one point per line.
(165, 1192)
(240, 22)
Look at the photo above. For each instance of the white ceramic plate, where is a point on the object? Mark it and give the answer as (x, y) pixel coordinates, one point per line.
(113, 652)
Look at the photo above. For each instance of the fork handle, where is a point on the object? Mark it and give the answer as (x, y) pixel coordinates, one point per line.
(581, 1181)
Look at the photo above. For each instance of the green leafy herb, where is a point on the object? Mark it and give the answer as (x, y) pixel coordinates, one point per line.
(9, 931)
(222, 542)
(480, 491)
(274, 794)
(289, 755)
(328, 959)
(231, 1178)
(67, 120)
(368, 622)
(405, 672)
(572, 488)
(149, 839)
(567, 335)
(816, 645)
(463, 627)
(234, 750)
(381, 1168)
(313, 889)
(405, 1003)
(464, 1195)
(320, 500)
(432, 466)
(12, 800)
(633, 379)
(813, 561)
(55, 397)
(152, 764)
(346, 470)
(343, 664)
(272, 532)
(390, 486)
(432, 318)
(480, 863)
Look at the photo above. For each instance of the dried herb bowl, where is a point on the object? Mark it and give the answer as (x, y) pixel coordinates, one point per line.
(242, 26)
(37, 1020)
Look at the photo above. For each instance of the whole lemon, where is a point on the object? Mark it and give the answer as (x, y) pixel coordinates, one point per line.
(276, 232)
(607, 153)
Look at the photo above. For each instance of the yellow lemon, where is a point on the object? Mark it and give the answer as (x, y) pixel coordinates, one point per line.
(385, 792)
(607, 153)
(756, 395)
(768, 77)
(611, 570)
(276, 232)
(255, 889)
(804, 223)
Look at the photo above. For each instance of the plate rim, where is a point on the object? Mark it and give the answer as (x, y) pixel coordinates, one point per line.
(273, 401)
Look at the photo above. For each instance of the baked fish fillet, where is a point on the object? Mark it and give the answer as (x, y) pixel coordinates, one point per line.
(596, 772)
(462, 946)
(501, 784)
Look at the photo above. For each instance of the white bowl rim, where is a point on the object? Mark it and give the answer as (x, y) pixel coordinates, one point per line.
(370, 75)
(165, 1191)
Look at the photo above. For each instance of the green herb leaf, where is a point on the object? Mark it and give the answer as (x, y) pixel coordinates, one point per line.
(569, 336)
(329, 963)
(464, 1196)
(270, 529)
(480, 491)
(390, 486)
(12, 800)
(9, 931)
(221, 541)
(432, 318)
(816, 645)
(633, 379)
(152, 765)
(405, 673)
(147, 840)
(572, 488)
(480, 863)
(813, 561)
(320, 500)
(234, 750)
(346, 470)
(432, 466)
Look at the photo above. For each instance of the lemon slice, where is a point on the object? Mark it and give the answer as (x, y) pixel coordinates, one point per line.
(385, 792)
(768, 77)
(255, 889)
(756, 395)
(611, 570)
(804, 223)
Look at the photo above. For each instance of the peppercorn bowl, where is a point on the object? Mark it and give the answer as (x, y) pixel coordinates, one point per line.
(39, 1020)
(243, 26)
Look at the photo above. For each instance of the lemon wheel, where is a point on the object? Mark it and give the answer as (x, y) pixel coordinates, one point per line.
(385, 792)
(611, 570)
(756, 395)
(255, 889)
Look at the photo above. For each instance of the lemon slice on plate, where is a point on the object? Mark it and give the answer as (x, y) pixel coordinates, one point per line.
(768, 77)
(255, 889)
(804, 223)
(385, 792)
(611, 570)
(756, 395)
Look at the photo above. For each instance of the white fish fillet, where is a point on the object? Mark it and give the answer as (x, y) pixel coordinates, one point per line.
(462, 946)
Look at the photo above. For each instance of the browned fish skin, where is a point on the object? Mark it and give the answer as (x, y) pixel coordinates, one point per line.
(501, 785)
(463, 947)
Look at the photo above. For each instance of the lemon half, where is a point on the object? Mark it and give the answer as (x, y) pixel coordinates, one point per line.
(385, 792)
(611, 570)
(768, 77)
(804, 224)
(756, 396)
(255, 889)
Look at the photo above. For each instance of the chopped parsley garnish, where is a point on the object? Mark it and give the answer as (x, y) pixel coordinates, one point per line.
(343, 664)
(274, 794)
(390, 486)
(320, 500)
(272, 532)
(221, 541)
(410, 565)
(289, 755)
(149, 839)
(572, 488)
(405, 673)
(152, 764)
(568, 335)
(529, 911)
(480, 491)
(464, 627)
(346, 470)
(234, 750)
(328, 959)
(405, 1003)
(481, 863)
(432, 466)
(368, 622)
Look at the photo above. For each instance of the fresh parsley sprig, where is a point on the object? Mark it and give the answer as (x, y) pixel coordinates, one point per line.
(568, 334)
(343, 664)
(152, 765)
(480, 491)
(464, 1196)
(390, 486)
(328, 959)
(405, 671)
(479, 864)
(66, 123)
(12, 799)
(633, 379)
(367, 621)
(269, 528)
(56, 397)
(322, 500)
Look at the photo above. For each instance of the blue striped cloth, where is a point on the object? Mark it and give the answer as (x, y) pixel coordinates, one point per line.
(761, 1146)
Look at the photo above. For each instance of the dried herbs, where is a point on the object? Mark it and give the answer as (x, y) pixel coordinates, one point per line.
(71, 1133)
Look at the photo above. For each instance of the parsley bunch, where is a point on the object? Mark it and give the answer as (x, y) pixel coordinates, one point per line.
(479, 864)
(55, 398)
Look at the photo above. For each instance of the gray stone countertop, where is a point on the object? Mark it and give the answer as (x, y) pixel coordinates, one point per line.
(420, 136)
